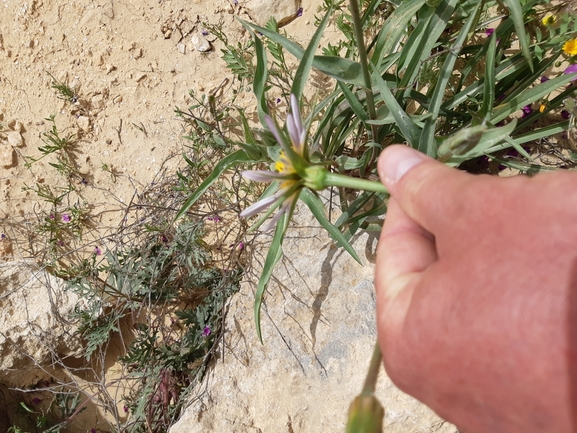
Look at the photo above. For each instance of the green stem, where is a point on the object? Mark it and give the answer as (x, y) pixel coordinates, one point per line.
(363, 59)
(335, 179)
(373, 373)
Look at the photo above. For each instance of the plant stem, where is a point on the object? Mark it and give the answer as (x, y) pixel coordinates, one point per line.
(373, 373)
(358, 26)
(335, 179)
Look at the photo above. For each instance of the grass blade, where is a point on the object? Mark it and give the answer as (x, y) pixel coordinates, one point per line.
(516, 12)
(306, 61)
(272, 258)
(394, 29)
(427, 142)
(237, 157)
(408, 128)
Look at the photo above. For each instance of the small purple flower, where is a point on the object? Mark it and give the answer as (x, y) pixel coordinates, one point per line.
(489, 31)
(278, 100)
(240, 246)
(214, 218)
(2, 236)
(97, 251)
(235, 2)
(204, 32)
(300, 12)
(60, 243)
(92, 430)
(565, 114)
(125, 409)
(526, 110)
(206, 331)
(66, 218)
(51, 217)
(36, 400)
(571, 69)
(543, 79)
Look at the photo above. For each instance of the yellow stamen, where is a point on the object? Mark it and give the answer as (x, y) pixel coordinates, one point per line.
(542, 107)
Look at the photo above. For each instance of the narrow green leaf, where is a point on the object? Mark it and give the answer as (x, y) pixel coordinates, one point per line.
(272, 258)
(489, 81)
(529, 96)
(427, 143)
(231, 160)
(339, 68)
(408, 128)
(516, 12)
(307, 59)
(354, 103)
(394, 29)
(318, 210)
(260, 77)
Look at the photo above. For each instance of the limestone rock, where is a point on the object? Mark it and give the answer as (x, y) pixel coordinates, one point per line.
(200, 43)
(318, 325)
(7, 155)
(262, 10)
(32, 325)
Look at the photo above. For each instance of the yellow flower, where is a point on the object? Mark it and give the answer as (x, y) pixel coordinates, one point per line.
(542, 107)
(549, 20)
(570, 47)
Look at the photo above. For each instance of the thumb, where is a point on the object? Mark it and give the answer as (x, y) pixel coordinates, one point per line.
(428, 191)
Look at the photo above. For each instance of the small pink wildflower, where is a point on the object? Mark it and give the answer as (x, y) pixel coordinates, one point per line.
(97, 251)
(66, 218)
(206, 331)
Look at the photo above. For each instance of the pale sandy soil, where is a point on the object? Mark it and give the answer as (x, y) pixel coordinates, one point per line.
(131, 63)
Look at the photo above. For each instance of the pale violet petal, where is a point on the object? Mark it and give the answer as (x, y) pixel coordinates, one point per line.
(296, 115)
(258, 206)
(293, 133)
(262, 175)
(272, 126)
(282, 210)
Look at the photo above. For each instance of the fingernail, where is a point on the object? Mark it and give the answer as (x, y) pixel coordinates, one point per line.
(397, 161)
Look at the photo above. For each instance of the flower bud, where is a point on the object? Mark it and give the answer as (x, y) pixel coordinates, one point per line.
(365, 415)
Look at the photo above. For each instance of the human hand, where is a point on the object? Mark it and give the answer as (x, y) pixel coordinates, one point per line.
(476, 283)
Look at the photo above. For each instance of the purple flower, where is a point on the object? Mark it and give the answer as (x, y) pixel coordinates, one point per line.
(125, 409)
(97, 251)
(565, 114)
(206, 331)
(543, 79)
(2, 236)
(290, 184)
(489, 31)
(66, 218)
(278, 100)
(240, 246)
(51, 217)
(36, 400)
(571, 69)
(214, 218)
(526, 110)
(300, 12)
(204, 33)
